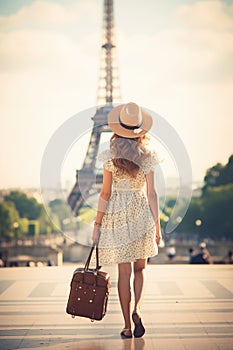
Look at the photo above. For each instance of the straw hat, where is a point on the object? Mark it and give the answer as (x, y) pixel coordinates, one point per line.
(129, 120)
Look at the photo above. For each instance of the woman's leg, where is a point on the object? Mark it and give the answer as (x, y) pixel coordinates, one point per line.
(139, 280)
(124, 274)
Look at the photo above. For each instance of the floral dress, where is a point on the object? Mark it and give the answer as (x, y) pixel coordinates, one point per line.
(128, 228)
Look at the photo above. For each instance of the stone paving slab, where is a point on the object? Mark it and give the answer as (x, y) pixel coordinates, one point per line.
(185, 307)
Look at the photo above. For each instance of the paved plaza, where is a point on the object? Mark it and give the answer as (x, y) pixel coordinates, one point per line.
(186, 307)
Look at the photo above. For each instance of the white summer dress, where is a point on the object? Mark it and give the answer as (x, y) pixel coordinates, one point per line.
(128, 229)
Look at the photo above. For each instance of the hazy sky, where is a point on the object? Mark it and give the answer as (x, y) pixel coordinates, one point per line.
(175, 58)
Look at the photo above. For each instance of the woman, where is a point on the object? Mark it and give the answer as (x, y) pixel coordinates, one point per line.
(127, 226)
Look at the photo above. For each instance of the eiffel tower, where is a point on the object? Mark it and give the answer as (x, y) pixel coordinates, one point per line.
(108, 92)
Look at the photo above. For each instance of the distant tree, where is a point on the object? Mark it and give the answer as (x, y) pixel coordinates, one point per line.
(24, 222)
(48, 223)
(59, 212)
(219, 174)
(194, 213)
(227, 172)
(217, 211)
(26, 207)
(8, 216)
(210, 215)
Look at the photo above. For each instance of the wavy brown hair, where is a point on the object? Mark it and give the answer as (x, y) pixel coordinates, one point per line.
(128, 154)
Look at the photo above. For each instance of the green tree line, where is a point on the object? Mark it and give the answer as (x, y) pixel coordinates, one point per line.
(211, 214)
(22, 216)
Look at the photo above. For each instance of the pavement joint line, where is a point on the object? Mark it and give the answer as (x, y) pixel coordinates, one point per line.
(111, 300)
(157, 301)
(114, 324)
(111, 327)
(12, 313)
(147, 336)
(217, 289)
(5, 284)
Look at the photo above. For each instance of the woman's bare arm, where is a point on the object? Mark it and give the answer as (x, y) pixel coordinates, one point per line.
(104, 197)
(153, 203)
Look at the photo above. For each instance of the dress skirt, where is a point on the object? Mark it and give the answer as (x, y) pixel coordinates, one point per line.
(128, 229)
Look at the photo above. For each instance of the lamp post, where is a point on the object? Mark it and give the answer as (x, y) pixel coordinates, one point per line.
(15, 227)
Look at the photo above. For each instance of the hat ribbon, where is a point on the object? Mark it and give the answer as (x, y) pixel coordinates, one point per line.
(130, 127)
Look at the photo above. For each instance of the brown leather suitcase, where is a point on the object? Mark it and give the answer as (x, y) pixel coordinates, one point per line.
(89, 290)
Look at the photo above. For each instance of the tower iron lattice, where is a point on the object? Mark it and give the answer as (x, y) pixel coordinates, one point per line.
(108, 92)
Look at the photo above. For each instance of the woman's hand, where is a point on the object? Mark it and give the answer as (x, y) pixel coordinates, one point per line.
(158, 238)
(96, 234)
(158, 233)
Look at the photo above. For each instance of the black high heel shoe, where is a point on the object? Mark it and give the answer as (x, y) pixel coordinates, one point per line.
(139, 329)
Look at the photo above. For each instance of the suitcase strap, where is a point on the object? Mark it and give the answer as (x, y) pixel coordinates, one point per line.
(86, 267)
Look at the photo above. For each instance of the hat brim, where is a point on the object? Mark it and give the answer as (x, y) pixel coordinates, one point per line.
(117, 128)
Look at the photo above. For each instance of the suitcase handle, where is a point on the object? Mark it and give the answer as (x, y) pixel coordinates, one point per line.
(86, 267)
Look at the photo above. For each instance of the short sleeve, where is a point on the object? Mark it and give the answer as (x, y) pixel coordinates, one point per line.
(109, 165)
(150, 162)
(106, 158)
